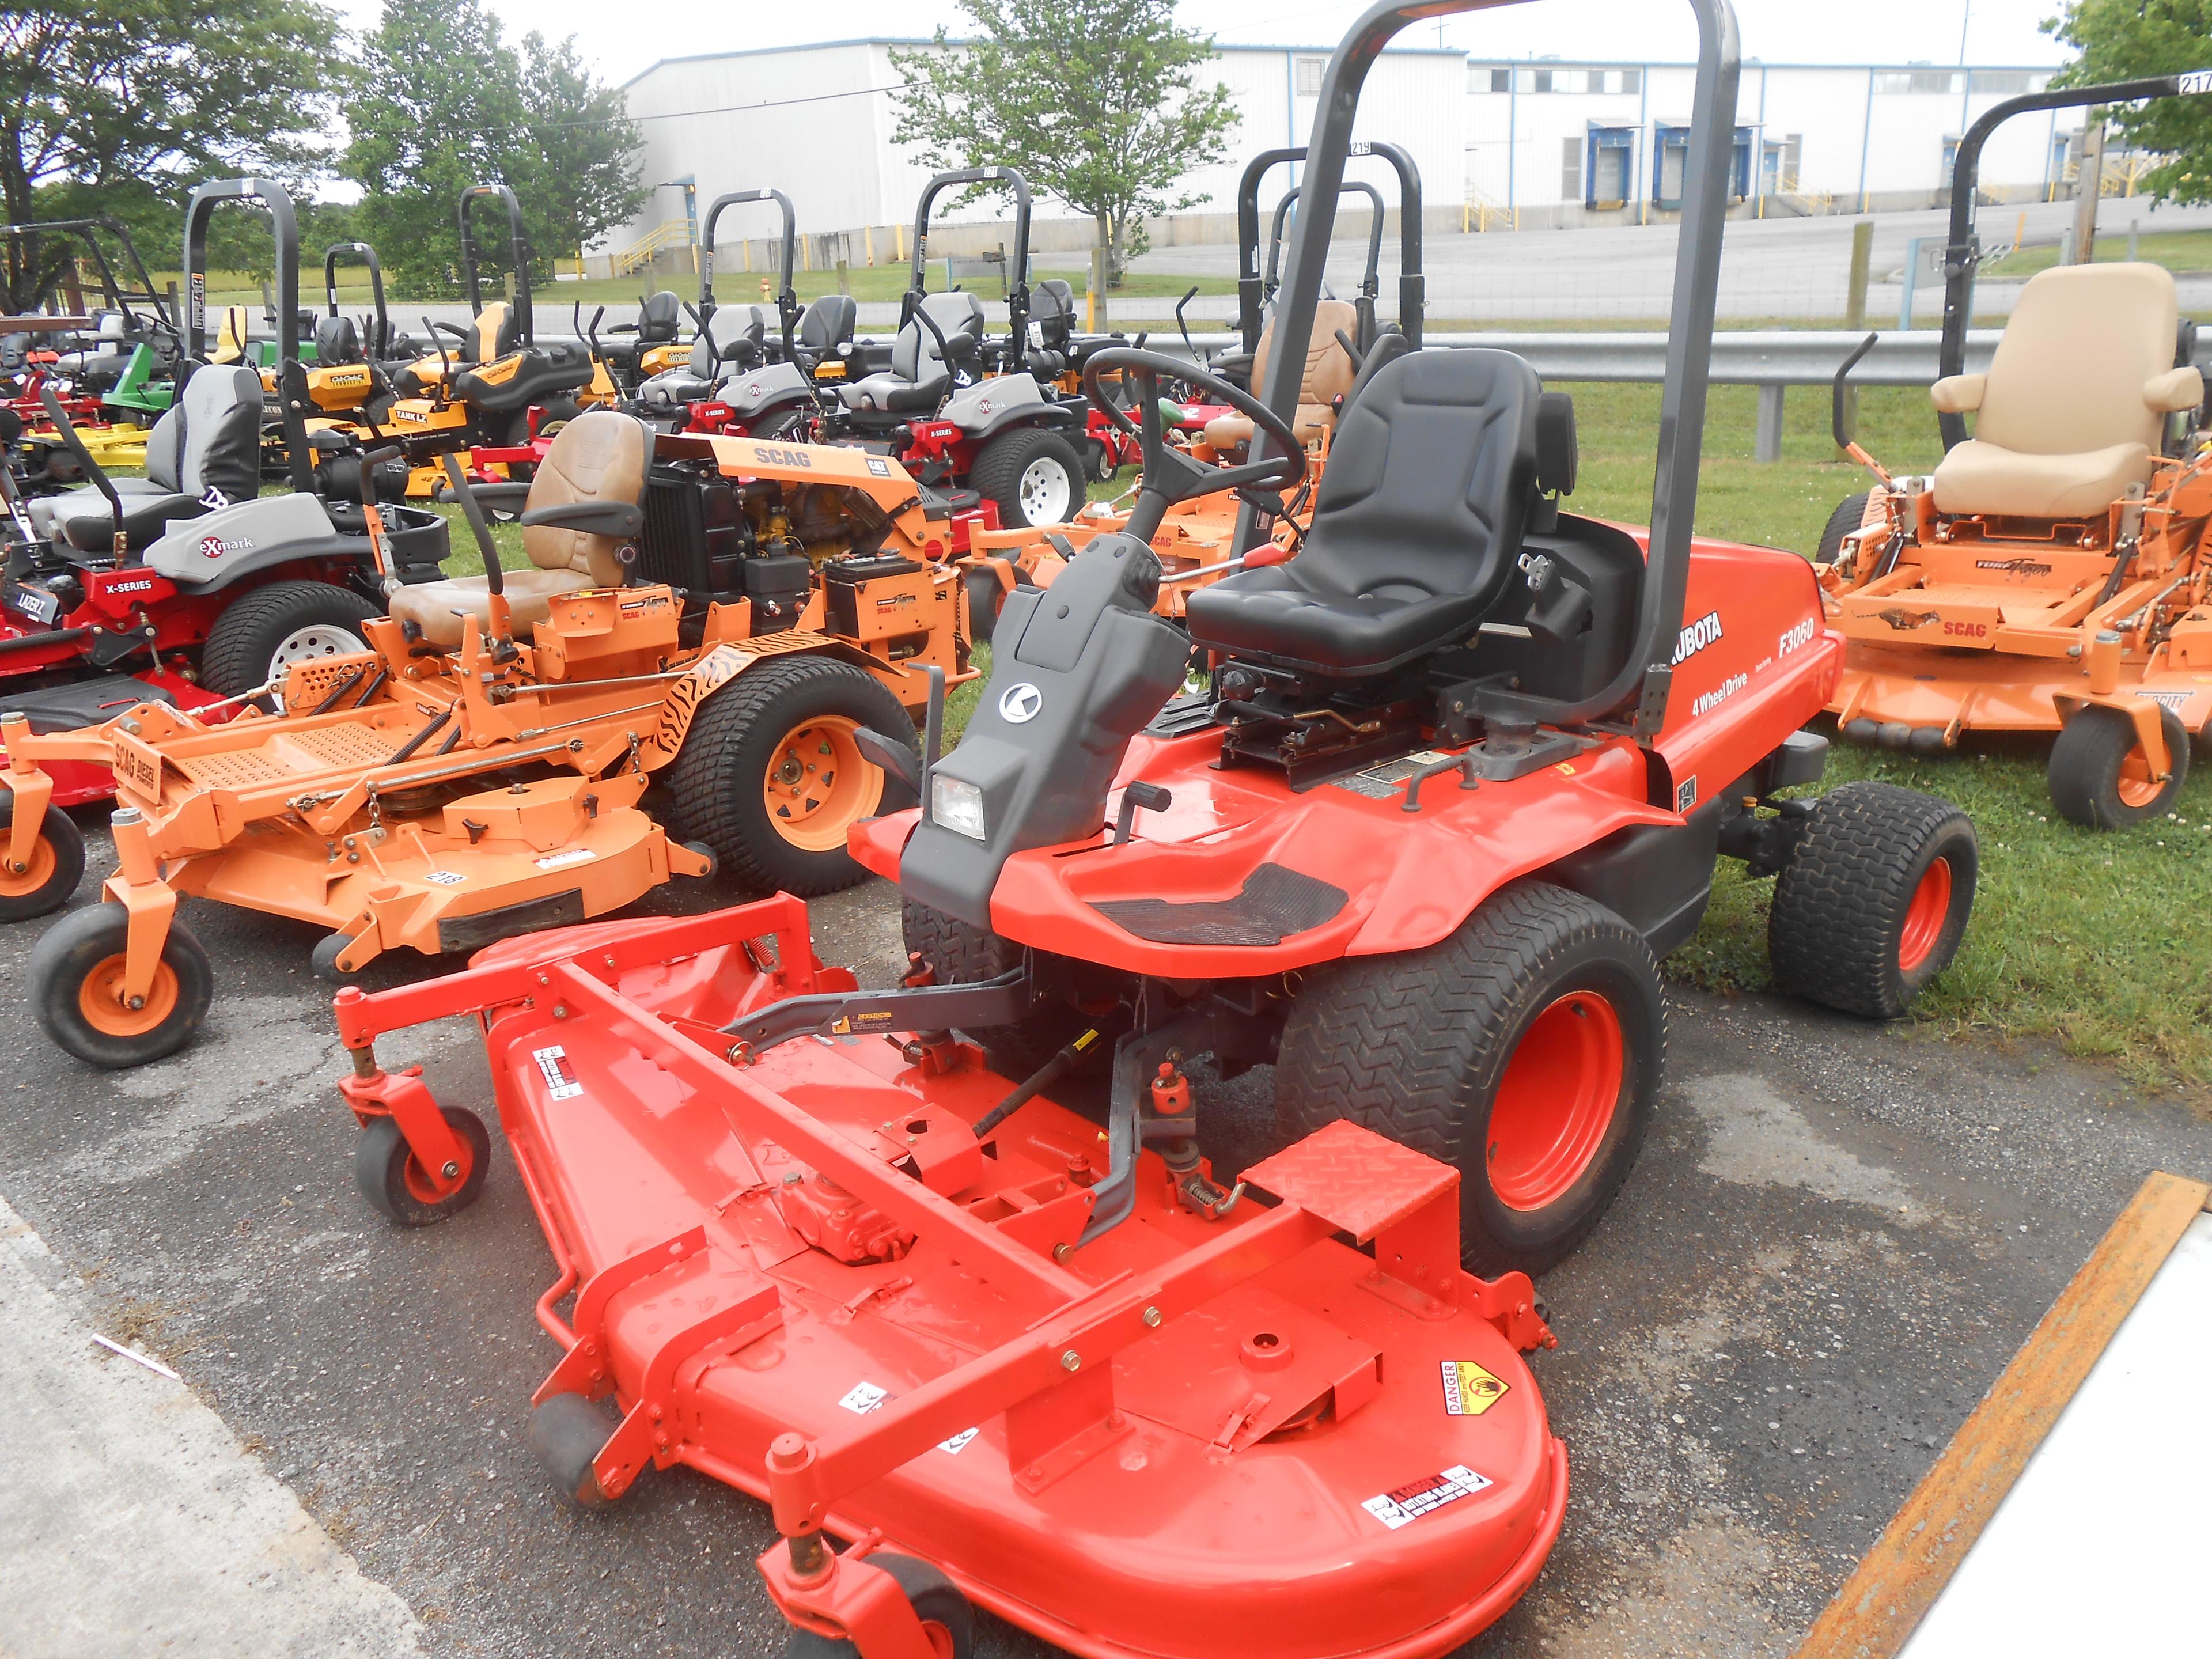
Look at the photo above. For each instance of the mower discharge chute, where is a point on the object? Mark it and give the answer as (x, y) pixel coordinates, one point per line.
(2055, 573)
(826, 1250)
(731, 614)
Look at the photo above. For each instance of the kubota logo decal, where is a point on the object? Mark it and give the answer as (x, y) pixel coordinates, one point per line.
(1019, 704)
(1706, 631)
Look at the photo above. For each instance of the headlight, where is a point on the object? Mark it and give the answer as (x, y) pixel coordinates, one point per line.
(957, 805)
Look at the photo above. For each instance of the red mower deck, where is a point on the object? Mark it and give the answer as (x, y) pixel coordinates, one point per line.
(801, 1274)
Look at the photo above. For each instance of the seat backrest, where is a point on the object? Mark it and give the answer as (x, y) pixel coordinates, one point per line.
(336, 340)
(658, 316)
(220, 434)
(1052, 308)
(2067, 376)
(733, 334)
(915, 356)
(1429, 480)
(1329, 372)
(493, 334)
(232, 336)
(111, 326)
(828, 323)
(599, 456)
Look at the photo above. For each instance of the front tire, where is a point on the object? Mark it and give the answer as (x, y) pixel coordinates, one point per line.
(75, 970)
(2099, 776)
(1526, 1048)
(397, 1187)
(1874, 900)
(1034, 475)
(948, 1623)
(1849, 515)
(51, 873)
(263, 631)
(771, 779)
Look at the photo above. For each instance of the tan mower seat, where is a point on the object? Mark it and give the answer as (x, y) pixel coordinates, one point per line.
(598, 457)
(1329, 374)
(2073, 406)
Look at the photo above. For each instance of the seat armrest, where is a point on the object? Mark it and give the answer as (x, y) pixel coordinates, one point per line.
(620, 520)
(1957, 394)
(2177, 389)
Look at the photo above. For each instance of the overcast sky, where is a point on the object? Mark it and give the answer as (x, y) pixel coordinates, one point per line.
(626, 38)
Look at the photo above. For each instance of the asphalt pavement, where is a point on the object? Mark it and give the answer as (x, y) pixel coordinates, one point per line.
(1837, 1237)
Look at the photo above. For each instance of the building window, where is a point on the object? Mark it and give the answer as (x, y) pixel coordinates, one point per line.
(1501, 80)
(1631, 82)
(1541, 80)
(1309, 73)
(2006, 81)
(1481, 77)
(1916, 81)
(1570, 169)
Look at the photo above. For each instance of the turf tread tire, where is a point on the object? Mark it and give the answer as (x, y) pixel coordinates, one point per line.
(733, 736)
(1838, 908)
(2084, 769)
(1849, 515)
(998, 471)
(245, 637)
(1415, 1045)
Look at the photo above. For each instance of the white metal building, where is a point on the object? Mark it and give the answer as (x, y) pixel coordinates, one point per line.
(1553, 142)
(816, 122)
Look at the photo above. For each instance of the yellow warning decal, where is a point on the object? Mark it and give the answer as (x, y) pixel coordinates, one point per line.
(1469, 1391)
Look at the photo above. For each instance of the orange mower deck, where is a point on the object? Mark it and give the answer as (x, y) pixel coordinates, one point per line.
(798, 1269)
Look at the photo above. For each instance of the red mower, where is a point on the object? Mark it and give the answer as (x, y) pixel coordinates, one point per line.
(1463, 775)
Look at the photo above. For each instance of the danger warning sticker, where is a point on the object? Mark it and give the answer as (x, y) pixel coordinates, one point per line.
(865, 1397)
(560, 1076)
(1469, 1391)
(1415, 1499)
(562, 860)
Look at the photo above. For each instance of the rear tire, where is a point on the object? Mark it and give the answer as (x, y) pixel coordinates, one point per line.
(770, 777)
(54, 869)
(1873, 903)
(1034, 475)
(2099, 777)
(948, 1623)
(82, 954)
(1526, 1048)
(265, 630)
(1849, 515)
(788, 425)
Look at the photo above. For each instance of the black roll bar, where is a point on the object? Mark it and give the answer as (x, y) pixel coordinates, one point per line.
(1648, 673)
(787, 297)
(1018, 277)
(1963, 253)
(366, 254)
(1252, 290)
(1370, 281)
(291, 377)
(112, 292)
(517, 252)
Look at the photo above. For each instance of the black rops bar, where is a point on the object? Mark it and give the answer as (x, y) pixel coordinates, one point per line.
(291, 377)
(518, 256)
(1411, 287)
(1963, 253)
(381, 343)
(787, 297)
(1017, 275)
(1369, 286)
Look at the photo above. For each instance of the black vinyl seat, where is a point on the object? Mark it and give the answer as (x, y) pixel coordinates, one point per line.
(1416, 530)
(919, 376)
(337, 341)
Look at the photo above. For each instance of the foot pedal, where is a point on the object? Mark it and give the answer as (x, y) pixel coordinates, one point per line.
(1356, 1181)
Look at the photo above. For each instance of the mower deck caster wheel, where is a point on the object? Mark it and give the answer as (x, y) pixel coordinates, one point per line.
(53, 871)
(947, 1621)
(567, 1433)
(2100, 778)
(76, 976)
(398, 1188)
(325, 960)
(714, 863)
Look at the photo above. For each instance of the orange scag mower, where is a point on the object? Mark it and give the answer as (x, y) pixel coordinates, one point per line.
(1464, 773)
(725, 614)
(2055, 573)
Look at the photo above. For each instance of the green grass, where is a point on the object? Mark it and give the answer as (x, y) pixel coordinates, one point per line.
(2095, 942)
(2178, 250)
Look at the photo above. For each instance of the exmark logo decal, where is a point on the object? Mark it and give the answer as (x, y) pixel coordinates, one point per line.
(1706, 631)
(214, 547)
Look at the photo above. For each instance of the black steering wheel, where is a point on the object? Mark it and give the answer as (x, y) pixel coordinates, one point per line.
(1169, 476)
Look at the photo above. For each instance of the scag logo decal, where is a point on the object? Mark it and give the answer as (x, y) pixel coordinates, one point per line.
(1967, 630)
(768, 457)
(1706, 631)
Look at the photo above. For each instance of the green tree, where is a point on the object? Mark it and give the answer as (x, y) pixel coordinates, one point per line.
(446, 103)
(2125, 40)
(120, 106)
(1097, 102)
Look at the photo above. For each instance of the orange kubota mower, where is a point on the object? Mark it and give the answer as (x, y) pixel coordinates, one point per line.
(2054, 574)
(478, 771)
(824, 1250)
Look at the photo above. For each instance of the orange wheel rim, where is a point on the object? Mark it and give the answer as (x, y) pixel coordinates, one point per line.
(35, 875)
(422, 1189)
(99, 999)
(817, 784)
(1555, 1101)
(1925, 916)
(2137, 789)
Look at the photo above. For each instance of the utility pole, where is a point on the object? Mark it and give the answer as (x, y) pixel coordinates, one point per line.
(2088, 185)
